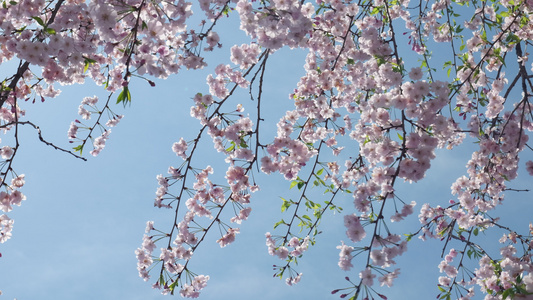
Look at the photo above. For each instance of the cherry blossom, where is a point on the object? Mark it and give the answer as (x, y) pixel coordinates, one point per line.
(370, 113)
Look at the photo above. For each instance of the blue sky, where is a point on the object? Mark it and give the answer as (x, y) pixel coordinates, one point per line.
(75, 235)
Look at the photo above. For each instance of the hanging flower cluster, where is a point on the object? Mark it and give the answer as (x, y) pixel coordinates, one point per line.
(369, 114)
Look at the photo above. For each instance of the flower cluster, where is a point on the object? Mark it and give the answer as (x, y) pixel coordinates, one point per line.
(365, 120)
(12, 197)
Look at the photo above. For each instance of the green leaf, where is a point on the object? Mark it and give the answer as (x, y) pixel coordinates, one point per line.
(128, 93)
(279, 223)
(506, 294)
(300, 185)
(231, 148)
(226, 10)
(243, 143)
(286, 204)
(50, 30)
(89, 60)
(78, 148)
(319, 172)
(173, 286)
(309, 204)
(408, 236)
(484, 36)
(380, 60)
(120, 97)
(322, 6)
(442, 232)
(400, 136)
(39, 20)
(476, 231)
(293, 184)
(124, 96)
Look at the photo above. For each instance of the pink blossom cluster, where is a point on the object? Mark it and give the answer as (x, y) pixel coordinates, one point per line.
(298, 246)
(193, 290)
(225, 75)
(6, 226)
(206, 194)
(358, 88)
(12, 197)
(105, 41)
(179, 148)
(345, 256)
(275, 24)
(355, 230)
(509, 271)
(99, 142)
(86, 109)
(6, 152)
(207, 198)
(360, 101)
(245, 55)
(286, 156)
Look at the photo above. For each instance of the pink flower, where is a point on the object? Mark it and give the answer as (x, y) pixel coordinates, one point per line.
(179, 148)
(72, 131)
(415, 74)
(367, 277)
(293, 280)
(529, 167)
(228, 238)
(199, 282)
(18, 181)
(243, 215)
(388, 278)
(379, 258)
(445, 281)
(6, 226)
(5, 202)
(16, 197)
(345, 257)
(355, 231)
(149, 226)
(282, 252)
(188, 291)
(528, 280)
(6, 152)
(113, 122)
(237, 179)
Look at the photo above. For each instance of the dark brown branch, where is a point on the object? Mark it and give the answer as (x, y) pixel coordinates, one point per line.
(46, 142)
